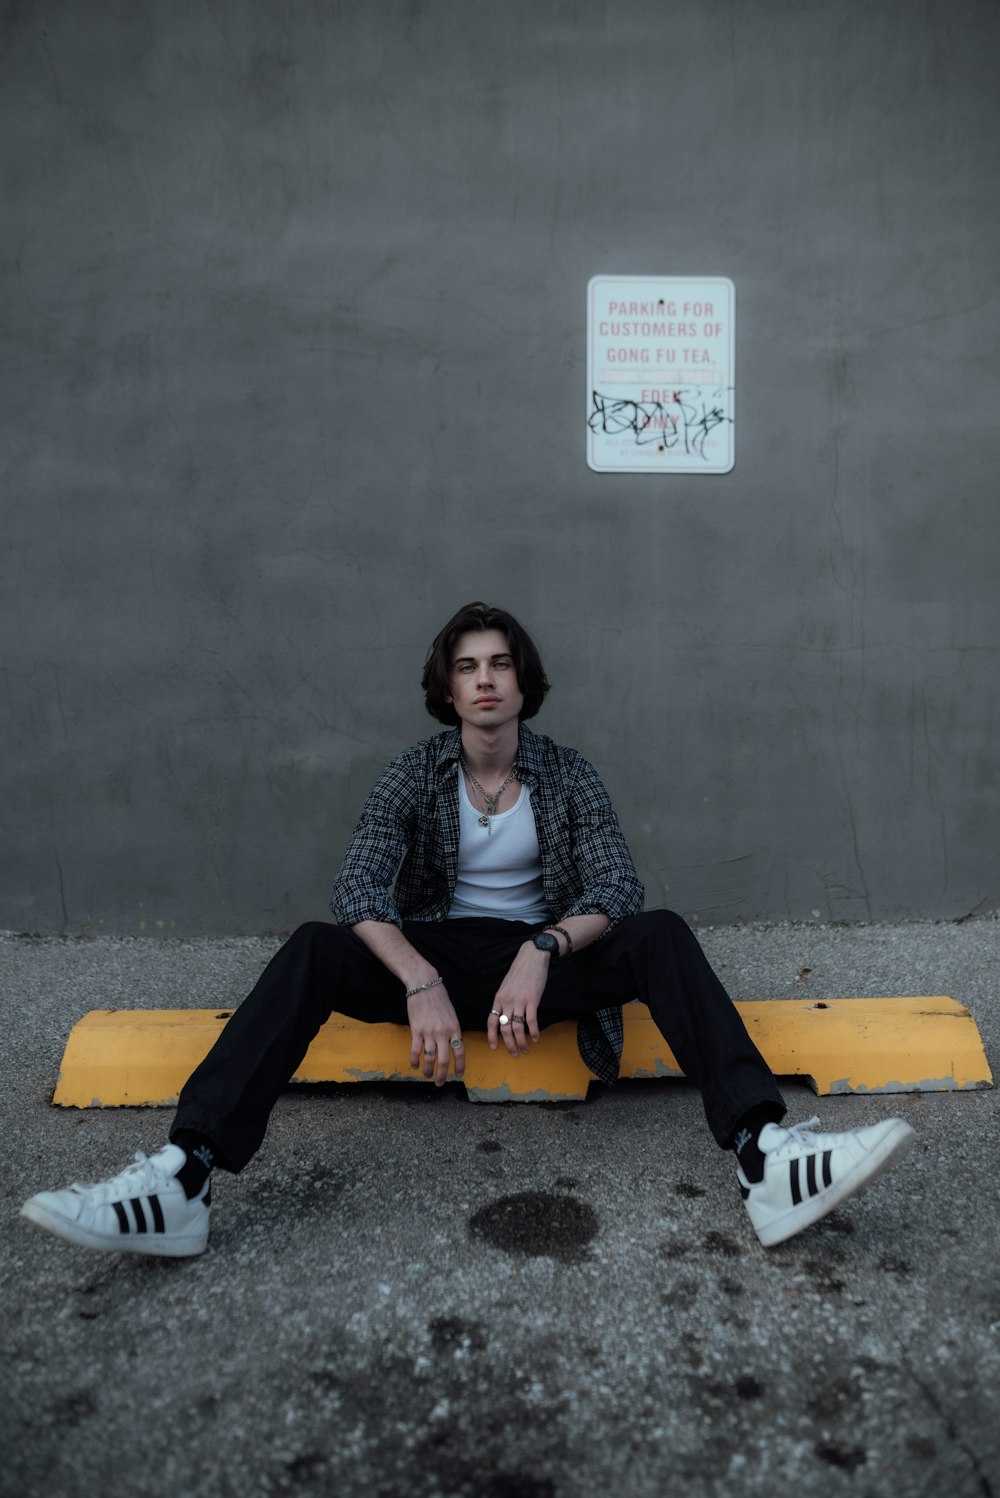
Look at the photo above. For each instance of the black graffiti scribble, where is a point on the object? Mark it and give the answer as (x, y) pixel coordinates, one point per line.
(687, 420)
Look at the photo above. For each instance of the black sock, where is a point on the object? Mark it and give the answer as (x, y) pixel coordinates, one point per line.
(200, 1154)
(745, 1137)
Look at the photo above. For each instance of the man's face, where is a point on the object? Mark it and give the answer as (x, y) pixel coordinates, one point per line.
(485, 692)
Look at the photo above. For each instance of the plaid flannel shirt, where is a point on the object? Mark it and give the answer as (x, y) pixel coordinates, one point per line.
(402, 860)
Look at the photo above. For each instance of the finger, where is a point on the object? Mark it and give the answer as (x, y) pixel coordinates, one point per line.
(430, 1055)
(531, 1015)
(416, 1046)
(507, 1031)
(518, 1025)
(457, 1045)
(443, 1060)
(493, 1027)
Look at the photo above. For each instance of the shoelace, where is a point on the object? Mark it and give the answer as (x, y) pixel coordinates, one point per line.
(801, 1134)
(143, 1175)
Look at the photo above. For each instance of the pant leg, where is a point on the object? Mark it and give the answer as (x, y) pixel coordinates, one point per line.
(229, 1097)
(656, 957)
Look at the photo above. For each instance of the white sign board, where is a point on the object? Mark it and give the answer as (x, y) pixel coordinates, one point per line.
(660, 356)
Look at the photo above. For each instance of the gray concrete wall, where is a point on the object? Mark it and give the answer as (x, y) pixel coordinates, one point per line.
(293, 315)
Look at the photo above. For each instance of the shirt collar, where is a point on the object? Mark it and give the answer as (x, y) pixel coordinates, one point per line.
(529, 756)
(449, 746)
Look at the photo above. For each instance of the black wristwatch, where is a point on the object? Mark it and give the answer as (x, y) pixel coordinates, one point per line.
(546, 942)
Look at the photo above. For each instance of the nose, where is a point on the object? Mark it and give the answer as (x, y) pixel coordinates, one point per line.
(484, 674)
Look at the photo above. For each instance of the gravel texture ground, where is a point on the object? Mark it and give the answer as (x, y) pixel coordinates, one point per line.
(407, 1293)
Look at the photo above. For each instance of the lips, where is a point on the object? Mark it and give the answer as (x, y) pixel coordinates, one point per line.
(486, 702)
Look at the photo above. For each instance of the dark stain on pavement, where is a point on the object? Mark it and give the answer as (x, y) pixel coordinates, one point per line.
(73, 1408)
(537, 1224)
(823, 1274)
(748, 1387)
(836, 1399)
(451, 1333)
(674, 1249)
(849, 1458)
(921, 1447)
(718, 1243)
(307, 1187)
(688, 1189)
(305, 1467)
(516, 1485)
(683, 1293)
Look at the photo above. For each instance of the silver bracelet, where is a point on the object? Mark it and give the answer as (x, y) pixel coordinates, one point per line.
(422, 987)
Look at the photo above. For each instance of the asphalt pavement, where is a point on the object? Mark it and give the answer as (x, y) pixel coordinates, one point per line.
(408, 1293)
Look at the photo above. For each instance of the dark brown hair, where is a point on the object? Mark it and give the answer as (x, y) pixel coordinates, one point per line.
(436, 680)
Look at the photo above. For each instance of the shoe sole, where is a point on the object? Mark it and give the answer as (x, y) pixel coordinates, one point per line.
(158, 1247)
(894, 1144)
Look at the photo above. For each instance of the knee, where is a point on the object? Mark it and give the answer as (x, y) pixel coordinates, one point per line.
(310, 929)
(319, 936)
(665, 925)
(671, 920)
(662, 920)
(322, 950)
(306, 934)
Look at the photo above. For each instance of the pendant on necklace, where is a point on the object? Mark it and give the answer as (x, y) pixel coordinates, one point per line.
(484, 822)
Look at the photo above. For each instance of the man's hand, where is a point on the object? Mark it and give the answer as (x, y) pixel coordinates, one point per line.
(518, 997)
(433, 1029)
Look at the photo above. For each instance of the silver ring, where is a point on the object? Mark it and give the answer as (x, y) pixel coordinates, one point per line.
(517, 1019)
(456, 1042)
(430, 1050)
(505, 1019)
(496, 1012)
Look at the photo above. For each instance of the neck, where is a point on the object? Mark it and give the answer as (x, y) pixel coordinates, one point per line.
(488, 752)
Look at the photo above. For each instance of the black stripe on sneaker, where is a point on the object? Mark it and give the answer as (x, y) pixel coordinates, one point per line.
(154, 1202)
(827, 1172)
(138, 1214)
(811, 1186)
(793, 1175)
(122, 1218)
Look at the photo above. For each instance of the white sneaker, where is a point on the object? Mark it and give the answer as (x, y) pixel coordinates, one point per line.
(807, 1174)
(142, 1211)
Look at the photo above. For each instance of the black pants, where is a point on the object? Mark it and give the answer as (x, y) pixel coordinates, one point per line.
(321, 968)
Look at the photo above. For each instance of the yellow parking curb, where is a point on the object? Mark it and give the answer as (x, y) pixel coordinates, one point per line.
(130, 1058)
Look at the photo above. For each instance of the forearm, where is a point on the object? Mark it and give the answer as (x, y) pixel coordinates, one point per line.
(386, 942)
(583, 929)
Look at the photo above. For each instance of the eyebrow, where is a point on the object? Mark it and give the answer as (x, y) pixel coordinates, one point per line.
(501, 655)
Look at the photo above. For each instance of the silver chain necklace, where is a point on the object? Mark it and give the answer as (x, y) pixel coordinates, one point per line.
(483, 795)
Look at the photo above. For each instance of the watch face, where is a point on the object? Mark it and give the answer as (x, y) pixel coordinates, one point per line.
(546, 942)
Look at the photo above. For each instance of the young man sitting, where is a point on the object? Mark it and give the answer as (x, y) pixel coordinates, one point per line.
(487, 886)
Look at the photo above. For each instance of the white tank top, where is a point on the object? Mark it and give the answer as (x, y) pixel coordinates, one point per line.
(499, 867)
